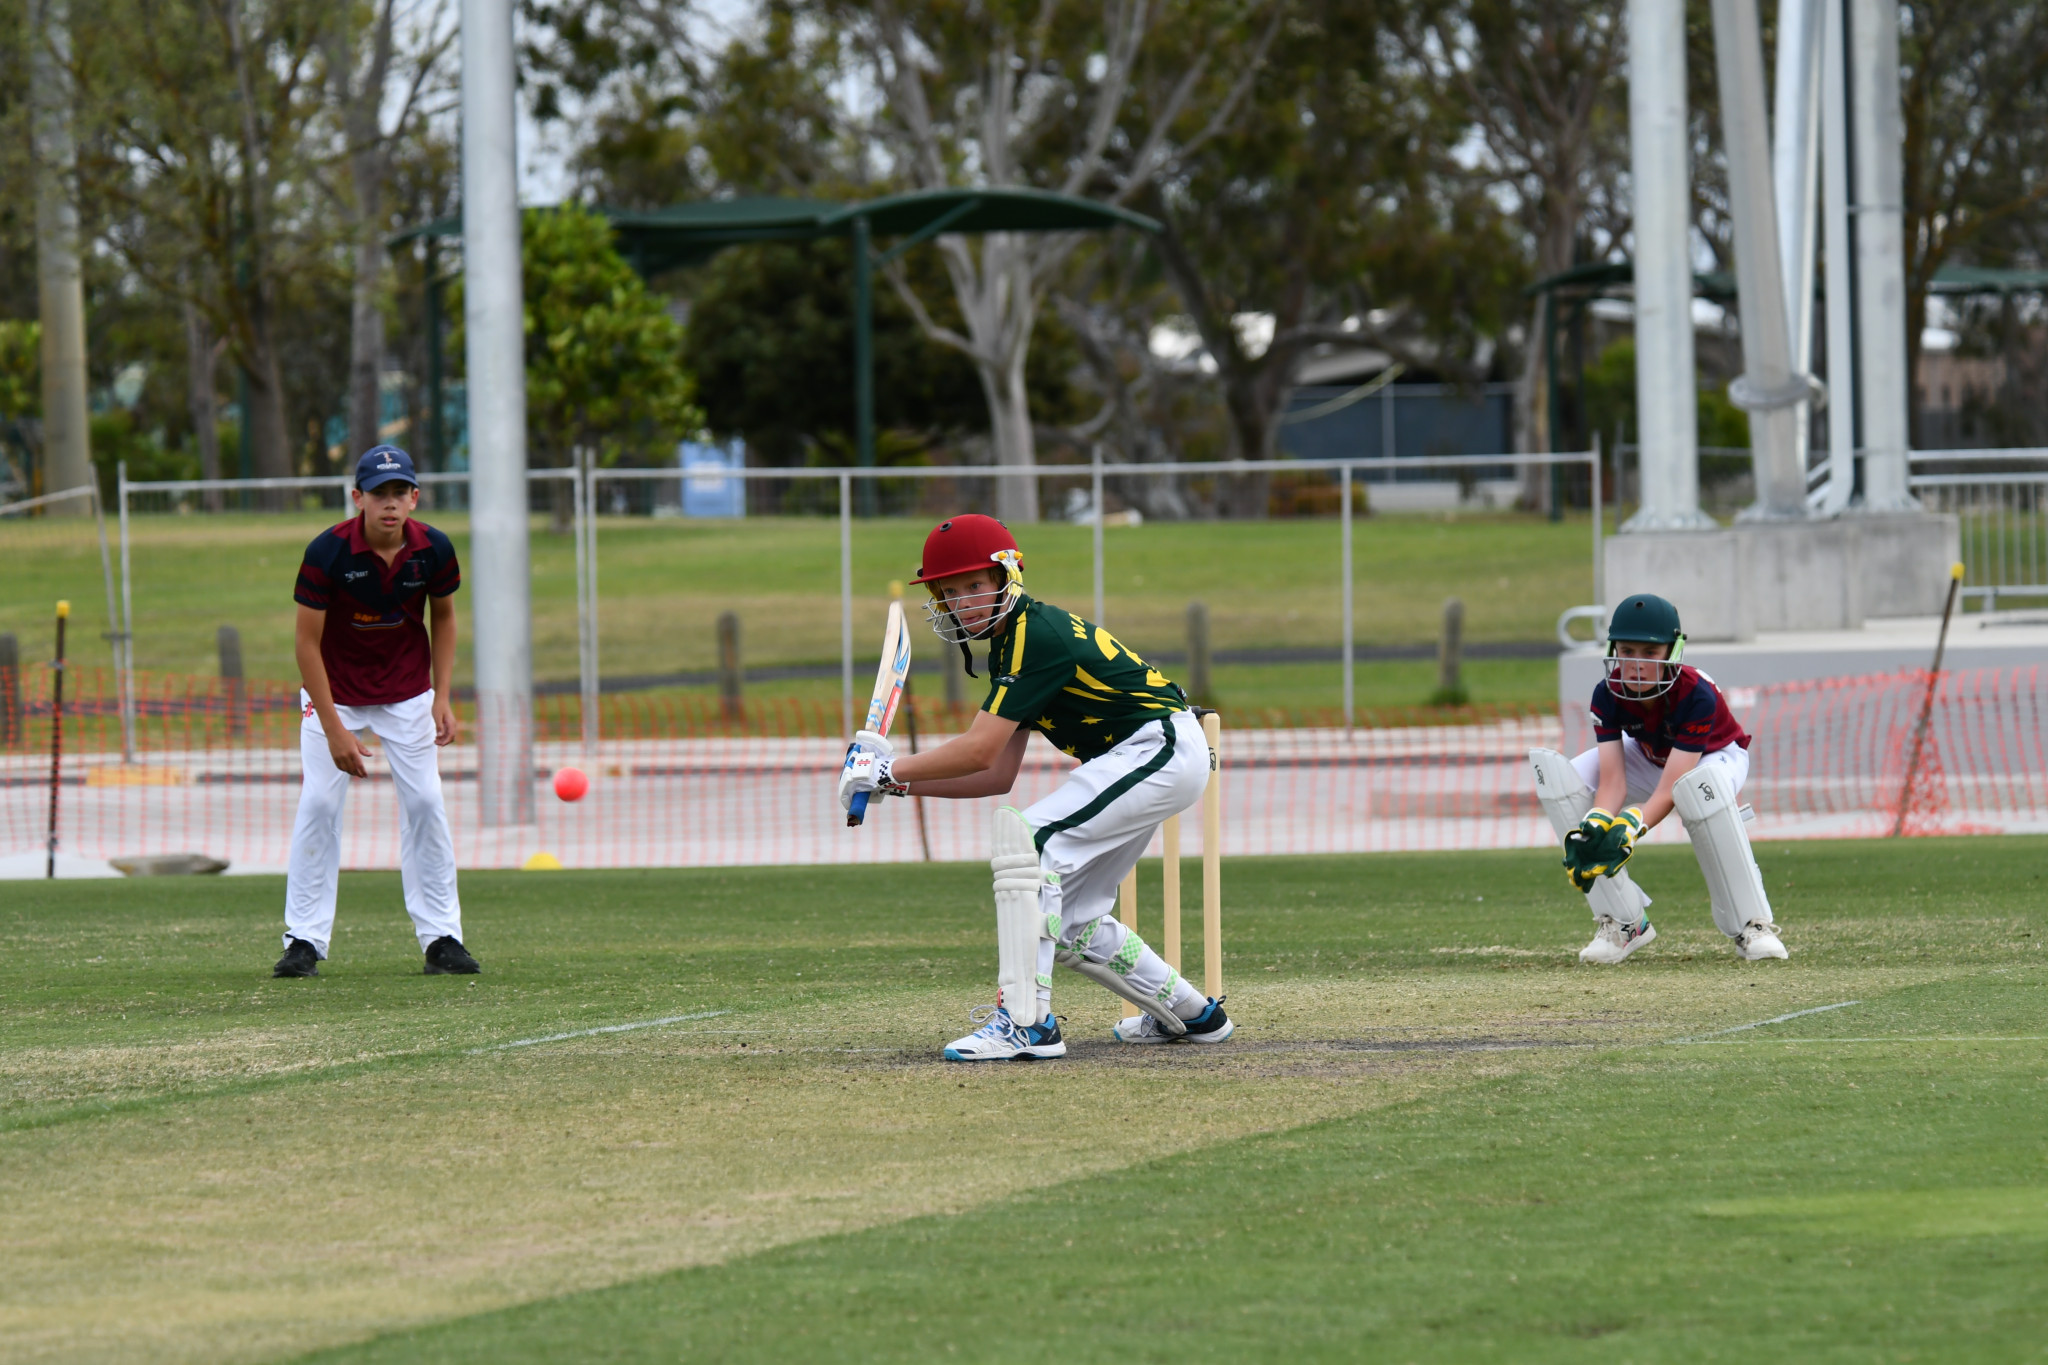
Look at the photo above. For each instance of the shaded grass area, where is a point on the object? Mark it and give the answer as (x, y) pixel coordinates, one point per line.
(1432, 1137)
(663, 583)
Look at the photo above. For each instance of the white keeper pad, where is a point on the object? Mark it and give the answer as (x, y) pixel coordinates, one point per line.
(1706, 802)
(1019, 922)
(1565, 799)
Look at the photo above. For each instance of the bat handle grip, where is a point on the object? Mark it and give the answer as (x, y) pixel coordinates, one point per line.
(857, 811)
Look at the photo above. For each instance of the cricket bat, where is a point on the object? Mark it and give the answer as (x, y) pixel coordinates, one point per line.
(895, 667)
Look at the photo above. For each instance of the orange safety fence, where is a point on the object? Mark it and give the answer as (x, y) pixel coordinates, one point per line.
(682, 780)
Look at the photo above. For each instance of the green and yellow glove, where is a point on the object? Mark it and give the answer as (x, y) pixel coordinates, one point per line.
(1601, 845)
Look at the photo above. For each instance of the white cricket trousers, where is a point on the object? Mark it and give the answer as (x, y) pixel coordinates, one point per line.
(1644, 775)
(426, 851)
(1092, 831)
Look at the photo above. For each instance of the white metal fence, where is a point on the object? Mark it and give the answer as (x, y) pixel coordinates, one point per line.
(584, 485)
(2000, 500)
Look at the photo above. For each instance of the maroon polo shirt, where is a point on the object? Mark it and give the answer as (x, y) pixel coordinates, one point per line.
(1692, 715)
(375, 643)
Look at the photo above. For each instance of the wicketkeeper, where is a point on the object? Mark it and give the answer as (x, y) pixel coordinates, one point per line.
(368, 663)
(1058, 864)
(1665, 740)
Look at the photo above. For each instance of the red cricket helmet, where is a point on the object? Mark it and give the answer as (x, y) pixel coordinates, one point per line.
(963, 543)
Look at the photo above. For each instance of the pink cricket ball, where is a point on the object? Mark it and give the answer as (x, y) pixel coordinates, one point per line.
(570, 783)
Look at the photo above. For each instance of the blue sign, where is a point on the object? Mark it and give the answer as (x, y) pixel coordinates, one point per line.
(704, 494)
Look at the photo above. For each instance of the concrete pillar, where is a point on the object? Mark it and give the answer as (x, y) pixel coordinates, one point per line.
(1795, 166)
(67, 433)
(1770, 387)
(1667, 404)
(1876, 133)
(498, 572)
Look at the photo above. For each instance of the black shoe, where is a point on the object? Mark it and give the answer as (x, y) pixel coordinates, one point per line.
(299, 960)
(1212, 1025)
(447, 957)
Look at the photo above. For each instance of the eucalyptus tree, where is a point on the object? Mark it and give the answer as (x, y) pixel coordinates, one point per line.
(199, 146)
(366, 54)
(1544, 85)
(1328, 206)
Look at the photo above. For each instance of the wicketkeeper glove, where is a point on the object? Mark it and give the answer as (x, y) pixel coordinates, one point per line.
(1601, 845)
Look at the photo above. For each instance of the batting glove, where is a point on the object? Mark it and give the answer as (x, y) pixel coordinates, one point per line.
(868, 763)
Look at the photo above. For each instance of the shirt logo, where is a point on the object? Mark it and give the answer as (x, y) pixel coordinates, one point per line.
(1006, 680)
(353, 574)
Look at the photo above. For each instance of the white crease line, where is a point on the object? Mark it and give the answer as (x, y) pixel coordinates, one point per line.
(1779, 1019)
(592, 1032)
(1899, 1038)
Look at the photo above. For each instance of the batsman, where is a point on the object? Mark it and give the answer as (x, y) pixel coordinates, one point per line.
(1058, 863)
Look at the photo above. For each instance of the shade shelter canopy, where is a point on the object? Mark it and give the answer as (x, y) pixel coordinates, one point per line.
(658, 240)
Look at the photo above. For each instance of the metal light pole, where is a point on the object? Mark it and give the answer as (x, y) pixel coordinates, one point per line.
(1771, 388)
(495, 347)
(863, 360)
(1841, 277)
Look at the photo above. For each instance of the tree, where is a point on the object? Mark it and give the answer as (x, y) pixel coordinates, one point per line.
(21, 368)
(360, 48)
(1328, 203)
(603, 357)
(1544, 85)
(769, 344)
(1039, 96)
(968, 94)
(1974, 83)
(195, 167)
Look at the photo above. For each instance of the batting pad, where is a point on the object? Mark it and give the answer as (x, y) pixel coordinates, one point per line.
(1105, 951)
(1705, 799)
(1566, 799)
(1020, 924)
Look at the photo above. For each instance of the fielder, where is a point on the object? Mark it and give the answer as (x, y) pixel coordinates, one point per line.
(1057, 865)
(1666, 741)
(368, 664)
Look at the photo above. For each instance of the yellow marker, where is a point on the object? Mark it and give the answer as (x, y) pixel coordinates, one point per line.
(63, 610)
(542, 862)
(1955, 570)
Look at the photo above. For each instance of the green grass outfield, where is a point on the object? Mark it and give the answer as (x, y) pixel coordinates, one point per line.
(1435, 1137)
(663, 583)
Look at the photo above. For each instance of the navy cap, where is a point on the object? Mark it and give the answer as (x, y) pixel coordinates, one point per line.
(381, 464)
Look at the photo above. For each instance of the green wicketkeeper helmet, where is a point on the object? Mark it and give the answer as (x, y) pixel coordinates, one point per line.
(1645, 618)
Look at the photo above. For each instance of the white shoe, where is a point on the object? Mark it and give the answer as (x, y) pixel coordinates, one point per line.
(1613, 941)
(1758, 941)
(1212, 1025)
(1000, 1040)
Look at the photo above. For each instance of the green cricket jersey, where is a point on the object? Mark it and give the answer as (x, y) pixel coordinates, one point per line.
(1073, 680)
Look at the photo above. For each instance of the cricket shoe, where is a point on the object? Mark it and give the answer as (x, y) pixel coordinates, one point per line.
(447, 957)
(1613, 941)
(1000, 1040)
(1212, 1025)
(300, 959)
(1759, 940)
